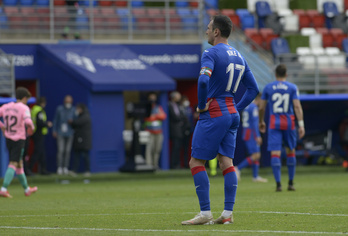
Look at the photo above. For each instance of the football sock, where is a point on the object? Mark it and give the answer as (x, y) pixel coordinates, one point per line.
(201, 181)
(276, 165)
(212, 166)
(291, 163)
(226, 213)
(255, 166)
(231, 184)
(22, 178)
(9, 176)
(247, 162)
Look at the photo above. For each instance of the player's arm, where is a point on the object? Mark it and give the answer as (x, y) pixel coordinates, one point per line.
(251, 89)
(262, 109)
(2, 125)
(256, 130)
(28, 122)
(299, 115)
(207, 68)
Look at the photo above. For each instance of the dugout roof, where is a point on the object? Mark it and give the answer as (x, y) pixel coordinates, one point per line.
(107, 68)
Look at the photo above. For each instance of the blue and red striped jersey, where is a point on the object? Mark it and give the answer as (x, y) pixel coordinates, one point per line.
(224, 68)
(279, 96)
(251, 122)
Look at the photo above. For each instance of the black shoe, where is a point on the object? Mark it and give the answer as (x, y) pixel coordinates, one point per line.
(291, 188)
(279, 189)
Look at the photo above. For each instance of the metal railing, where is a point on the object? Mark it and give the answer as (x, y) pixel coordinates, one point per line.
(7, 78)
(315, 78)
(104, 20)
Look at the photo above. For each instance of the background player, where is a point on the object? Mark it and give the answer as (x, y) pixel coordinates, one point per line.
(16, 117)
(223, 68)
(252, 140)
(283, 99)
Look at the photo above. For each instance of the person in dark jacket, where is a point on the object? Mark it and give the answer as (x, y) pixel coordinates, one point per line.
(41, 124)
(82, 137)
(177, 121)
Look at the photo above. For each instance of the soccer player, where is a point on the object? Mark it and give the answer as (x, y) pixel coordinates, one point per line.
(17, 122)
(252, 139)
(223, 69)
(283, 99)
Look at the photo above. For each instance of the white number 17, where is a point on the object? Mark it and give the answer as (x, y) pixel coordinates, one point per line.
(230, 68)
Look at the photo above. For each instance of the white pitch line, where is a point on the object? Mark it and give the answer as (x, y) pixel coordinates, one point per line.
(166, 213)
(179, 231)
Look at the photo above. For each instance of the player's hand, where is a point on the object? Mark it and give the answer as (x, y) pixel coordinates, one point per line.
(54, 134)
(301, 132)
(206, 107)
(262, 127)
(49, 124)
(30, 131)
(259, 141)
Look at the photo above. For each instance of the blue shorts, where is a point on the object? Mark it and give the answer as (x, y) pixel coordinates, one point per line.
(215, 135)
(276, 138)
(252, 146)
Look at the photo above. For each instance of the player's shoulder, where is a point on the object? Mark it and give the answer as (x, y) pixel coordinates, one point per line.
(291, 85)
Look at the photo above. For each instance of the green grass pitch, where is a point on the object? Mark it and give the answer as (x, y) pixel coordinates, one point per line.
(155, 204)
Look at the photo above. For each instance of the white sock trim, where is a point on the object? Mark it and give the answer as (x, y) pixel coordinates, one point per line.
(206, 213)
(3, 189)
(226, 213)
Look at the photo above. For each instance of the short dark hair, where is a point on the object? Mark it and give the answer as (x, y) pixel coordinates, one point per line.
(224, 24)
(22, 92)
(41, 100)
(280, 71)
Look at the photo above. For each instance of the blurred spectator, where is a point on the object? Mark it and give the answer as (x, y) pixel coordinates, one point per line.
(153, 124)
(41, 124)
(188, 128)
(82, 137)
(177, 120)
(64, 133)
(343, 130)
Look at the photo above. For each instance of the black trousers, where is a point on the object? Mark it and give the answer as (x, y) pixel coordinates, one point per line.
(39, 154)
(84, 154)
(177, 144)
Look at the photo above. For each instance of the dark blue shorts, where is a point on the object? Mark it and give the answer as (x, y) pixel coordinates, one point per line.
(215, 135)
(277, 137)
(252, 146)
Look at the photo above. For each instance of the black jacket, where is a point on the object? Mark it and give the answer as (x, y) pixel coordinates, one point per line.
(82, 132)
(177, 122)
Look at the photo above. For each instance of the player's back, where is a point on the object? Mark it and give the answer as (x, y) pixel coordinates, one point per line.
(250, 121)
(14, 115)
(280, 96)
(228, 70)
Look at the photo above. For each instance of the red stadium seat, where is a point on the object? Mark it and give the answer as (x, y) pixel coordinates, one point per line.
(318, 21)
(304, 21)
(61, 17)
(104, 3)
(121, 3)
(322, 30)
(345, 5)
(159, 22)
(59, 2)
(299, 12)
(257, 38)
(154, 11)
(228, 12)
(267, 36)
(235, 20)
(250, 31)
(30, 19)
(175, 22)
(139, 12)
(44, 17)
(11, 10)
(328, 40)
(212, 12)
(194, 4)
(338, 36)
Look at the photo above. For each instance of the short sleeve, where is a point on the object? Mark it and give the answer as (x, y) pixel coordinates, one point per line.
(296, 93)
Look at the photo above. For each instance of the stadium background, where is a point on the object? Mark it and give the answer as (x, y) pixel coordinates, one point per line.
(96, 69)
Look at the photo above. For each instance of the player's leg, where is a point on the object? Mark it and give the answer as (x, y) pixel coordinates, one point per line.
(255, 157)
(290, 141)
(23, 180)
(202, 186)
(245, 163)
(225, 158)
(230, 189)
(275, 146)
(291, 164)
(213, 166)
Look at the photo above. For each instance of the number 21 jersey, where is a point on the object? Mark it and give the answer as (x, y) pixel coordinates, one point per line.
(279, 95)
